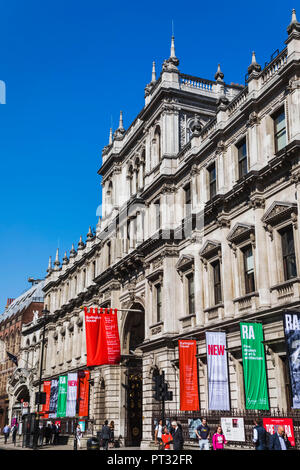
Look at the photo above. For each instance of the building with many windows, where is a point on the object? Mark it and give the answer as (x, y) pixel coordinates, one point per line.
(199, 231)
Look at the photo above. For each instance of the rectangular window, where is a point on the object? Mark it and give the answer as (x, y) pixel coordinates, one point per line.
(191, 293)
(188, 200)
(108, 254)
(249, 270)
(288, 253)
(158, 218)
(242, 158)
(279, 130)
(217, 282)
(212, 181)
(158, 303)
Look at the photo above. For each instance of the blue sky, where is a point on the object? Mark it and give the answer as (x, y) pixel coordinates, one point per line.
(69, 68)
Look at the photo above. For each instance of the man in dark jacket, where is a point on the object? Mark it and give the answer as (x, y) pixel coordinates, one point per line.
(105, 435)
(177, 436)
(260, 435)
(279, 440)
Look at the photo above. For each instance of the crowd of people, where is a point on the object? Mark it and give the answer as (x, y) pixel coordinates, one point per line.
(173, 438)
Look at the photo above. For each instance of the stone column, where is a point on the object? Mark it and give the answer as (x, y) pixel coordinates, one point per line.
(261, 253)
(226, 268)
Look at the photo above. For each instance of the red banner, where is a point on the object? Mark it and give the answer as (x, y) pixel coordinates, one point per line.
(102, 336)
(189, 395)
(47, 387)
(83, 394)
(271, 426)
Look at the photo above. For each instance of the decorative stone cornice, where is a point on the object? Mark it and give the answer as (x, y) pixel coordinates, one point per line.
(210, 249)
(278, 212)
(241, 232)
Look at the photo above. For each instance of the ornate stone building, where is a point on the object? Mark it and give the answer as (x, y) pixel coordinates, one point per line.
(18, 312)
(199, 231)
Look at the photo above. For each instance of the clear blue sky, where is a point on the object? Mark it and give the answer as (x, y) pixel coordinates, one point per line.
(69, 67)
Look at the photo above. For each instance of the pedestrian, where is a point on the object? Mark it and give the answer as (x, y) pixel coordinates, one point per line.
(202, 432)
(218, 439)
(259, 435)
(105, 435)
(177, 436)
(6, 431)
(14, 433)
(279, 440)
(48, 433)
(166, 438)
(158, 433)
(112, 433)
(78, 435)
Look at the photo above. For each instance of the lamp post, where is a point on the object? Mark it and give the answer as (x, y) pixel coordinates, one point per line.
(43, 321)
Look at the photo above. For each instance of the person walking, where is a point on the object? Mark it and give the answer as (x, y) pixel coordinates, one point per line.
(48, 432)
(105, 435)
(14, 434)
(177, 436)
(6, 431)
(112, 433)
(166, 438)
(158, 432)
(259, 435)
(202, 432)
(218, 439)
(78, 435)
(279, 440)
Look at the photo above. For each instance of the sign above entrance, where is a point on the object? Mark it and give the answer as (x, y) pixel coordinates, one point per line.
(102, 336)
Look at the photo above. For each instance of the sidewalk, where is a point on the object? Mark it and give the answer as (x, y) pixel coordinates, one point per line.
(10, 446)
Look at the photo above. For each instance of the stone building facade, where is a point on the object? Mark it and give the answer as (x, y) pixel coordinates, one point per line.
(199, 231)
(18, 312)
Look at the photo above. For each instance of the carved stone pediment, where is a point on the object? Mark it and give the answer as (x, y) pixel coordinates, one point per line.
(185, 262)
(240, 232)
(210, 249)
(278, 212)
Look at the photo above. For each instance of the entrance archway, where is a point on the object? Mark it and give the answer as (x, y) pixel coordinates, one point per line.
(133, 336)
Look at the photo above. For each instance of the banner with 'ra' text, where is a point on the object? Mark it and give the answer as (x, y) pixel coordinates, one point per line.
(255, 377)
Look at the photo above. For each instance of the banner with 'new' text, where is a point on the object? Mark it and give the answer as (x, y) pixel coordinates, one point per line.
(217, 369)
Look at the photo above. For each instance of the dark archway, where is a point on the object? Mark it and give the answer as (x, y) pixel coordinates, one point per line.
(134, 334)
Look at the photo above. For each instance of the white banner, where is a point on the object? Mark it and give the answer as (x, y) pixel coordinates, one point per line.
(72, 394)
(218, 389)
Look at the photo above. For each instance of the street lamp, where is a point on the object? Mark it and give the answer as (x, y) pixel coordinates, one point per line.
(42, 321)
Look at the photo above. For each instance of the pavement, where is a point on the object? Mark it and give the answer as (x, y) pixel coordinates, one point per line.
(18, 446)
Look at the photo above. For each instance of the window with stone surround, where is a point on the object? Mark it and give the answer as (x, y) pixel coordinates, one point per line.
(158, 303)
(216, 269)
(242, 158)
(279, 129)
(187, 200)
(191, 293)
(212, 180)
(211, 256)
(288, 253)
(249, 277)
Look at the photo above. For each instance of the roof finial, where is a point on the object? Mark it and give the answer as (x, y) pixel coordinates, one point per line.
(56, 262)
(80, 243)
(49, 270)
(173, 55)
(89, 234)
(65, 259)
(254, 66)
(294, 24)
(72, 251)
(110, 136)
(219, 75)
(120, 131)
(153, 72)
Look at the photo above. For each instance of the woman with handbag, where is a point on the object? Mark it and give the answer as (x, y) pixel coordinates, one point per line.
(167, 438)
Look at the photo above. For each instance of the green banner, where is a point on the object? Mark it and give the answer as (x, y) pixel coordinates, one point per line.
(62, 396)
(254, 365)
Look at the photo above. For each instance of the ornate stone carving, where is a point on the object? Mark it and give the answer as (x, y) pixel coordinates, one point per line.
(278, 212)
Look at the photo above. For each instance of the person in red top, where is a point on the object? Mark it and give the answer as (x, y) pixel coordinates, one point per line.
(218, 440)
(166, 438)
